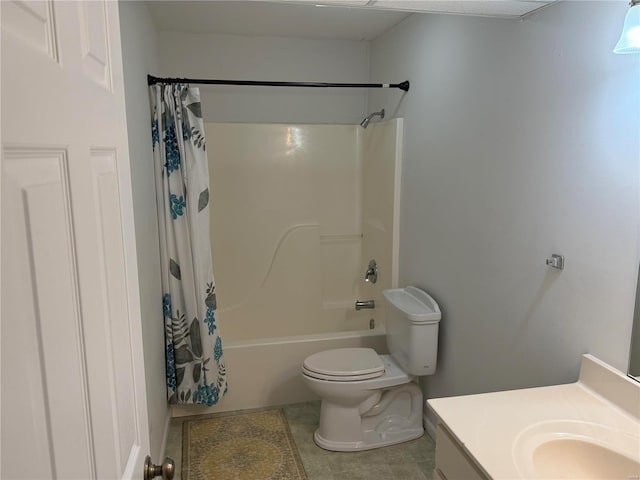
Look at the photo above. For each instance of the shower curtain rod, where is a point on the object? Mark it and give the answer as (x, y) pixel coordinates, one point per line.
(151, 80)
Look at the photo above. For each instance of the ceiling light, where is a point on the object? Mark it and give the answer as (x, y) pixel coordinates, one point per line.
(630, 39)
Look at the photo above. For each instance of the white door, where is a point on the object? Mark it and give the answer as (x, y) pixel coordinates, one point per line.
(73, 403)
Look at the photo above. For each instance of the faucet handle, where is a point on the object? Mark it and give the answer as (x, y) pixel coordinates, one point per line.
(371, 275)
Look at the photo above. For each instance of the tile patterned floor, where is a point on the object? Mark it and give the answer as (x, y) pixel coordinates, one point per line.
(413, 460)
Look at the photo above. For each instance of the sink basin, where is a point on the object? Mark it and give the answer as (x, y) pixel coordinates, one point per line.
(576, 450)
(569, 458)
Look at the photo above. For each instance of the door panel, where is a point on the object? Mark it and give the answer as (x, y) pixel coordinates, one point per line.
(113, 277)
(95, 42)
(32, 24)
(47, 330)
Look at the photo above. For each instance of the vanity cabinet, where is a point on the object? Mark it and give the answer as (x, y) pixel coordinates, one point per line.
(452, 463)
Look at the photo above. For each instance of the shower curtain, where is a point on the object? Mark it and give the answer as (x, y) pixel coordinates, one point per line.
(195, 365)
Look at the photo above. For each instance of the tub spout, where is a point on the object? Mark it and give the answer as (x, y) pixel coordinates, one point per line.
(360, 304)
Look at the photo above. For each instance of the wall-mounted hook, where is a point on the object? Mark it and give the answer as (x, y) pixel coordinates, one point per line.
(556, 261)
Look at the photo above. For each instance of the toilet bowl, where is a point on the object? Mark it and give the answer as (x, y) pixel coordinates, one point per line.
(371, 400)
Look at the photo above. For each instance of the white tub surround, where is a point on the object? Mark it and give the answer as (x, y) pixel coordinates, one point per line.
(528, 433)
(294, 252)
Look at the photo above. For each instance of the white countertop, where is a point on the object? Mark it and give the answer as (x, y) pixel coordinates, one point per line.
(488, 425)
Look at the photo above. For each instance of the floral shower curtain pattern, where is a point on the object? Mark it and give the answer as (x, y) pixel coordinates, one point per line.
(195, 366)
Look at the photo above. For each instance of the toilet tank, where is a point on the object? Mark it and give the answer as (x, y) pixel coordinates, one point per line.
(412, 320)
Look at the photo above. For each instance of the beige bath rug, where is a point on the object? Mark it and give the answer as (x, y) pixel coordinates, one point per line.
(246, 446)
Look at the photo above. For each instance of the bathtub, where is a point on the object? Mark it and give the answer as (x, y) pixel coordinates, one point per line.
(266, 372)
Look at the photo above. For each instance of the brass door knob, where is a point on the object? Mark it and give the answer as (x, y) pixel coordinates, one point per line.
(165, 471)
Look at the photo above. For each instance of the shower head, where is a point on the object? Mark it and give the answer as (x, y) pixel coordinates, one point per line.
(368, 118)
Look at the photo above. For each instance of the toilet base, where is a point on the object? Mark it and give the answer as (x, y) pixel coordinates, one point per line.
(371, 440)
(395, 417)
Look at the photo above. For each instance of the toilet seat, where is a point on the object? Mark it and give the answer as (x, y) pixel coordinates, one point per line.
(344, 365)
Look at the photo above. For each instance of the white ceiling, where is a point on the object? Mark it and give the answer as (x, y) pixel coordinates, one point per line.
(272, 19)
(337, 19)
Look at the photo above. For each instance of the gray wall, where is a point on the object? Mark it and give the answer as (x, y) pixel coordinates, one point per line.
(270, 58)
(140, 57)
(521, 140)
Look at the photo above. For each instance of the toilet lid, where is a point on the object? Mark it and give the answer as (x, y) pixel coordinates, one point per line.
(345, 364)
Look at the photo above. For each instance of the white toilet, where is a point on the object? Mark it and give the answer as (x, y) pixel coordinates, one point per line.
(371, 400)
